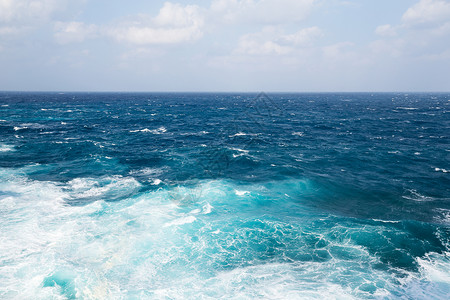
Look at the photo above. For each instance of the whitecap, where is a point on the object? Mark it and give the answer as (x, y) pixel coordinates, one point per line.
(239, 134)
(299, 133)
(240, 150)
(6, 148)
(159, 130)
(156, 181)
(385, 221)
(415, 196)
(407, 108)
(150, 172)
(441, 170)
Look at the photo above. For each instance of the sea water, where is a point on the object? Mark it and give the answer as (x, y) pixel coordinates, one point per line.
(242, 196)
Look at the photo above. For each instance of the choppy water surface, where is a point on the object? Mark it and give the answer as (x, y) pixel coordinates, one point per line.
(280, 196)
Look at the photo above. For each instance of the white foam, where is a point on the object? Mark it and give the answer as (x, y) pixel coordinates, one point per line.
(159, 130)
(407, 108)
(151, 172)
(6, 148)
(415, 196)
(299, 133)
(29, 125)
(203, 132)
(195, 211)
(239, 134)
(41, 235)
(386, 221)
(106, 187)
(207, 209)
(435, 267)
(443, 216)
(241, 193)
(441, 170)
(156, 181)
(143, 247)
(276, 281)
(239, 150)
(181, 221)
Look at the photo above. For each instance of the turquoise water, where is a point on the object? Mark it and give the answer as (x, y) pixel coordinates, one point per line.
(188, 196)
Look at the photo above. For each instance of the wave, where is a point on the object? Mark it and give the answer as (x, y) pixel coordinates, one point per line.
(225, 238)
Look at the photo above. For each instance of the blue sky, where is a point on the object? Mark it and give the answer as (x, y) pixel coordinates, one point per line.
(225, 45)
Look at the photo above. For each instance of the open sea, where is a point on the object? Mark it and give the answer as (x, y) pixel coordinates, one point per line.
(231, 196)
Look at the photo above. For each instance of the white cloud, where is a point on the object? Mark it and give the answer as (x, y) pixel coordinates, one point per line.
(174, 24)
(272, 41)
(27, 11)
(303, 37)
(337, 51)
(74, 32)
(248, 45)
(175, 15)
(8, 30)
(393, 48)
(261, 11)
(142, 35)
(422, 32)
(22, 16)
(386, 30)
(427, 13)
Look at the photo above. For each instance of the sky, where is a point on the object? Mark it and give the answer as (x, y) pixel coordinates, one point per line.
(225, 45)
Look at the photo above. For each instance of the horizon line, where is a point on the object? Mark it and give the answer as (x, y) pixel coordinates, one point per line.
(223, 92)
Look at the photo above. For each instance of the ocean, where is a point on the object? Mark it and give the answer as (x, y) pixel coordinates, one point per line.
(224, 195)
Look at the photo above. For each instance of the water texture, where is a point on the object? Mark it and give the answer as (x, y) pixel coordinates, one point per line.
(242, 196)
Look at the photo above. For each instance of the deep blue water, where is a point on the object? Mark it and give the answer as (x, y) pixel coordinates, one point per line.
(204, 196)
